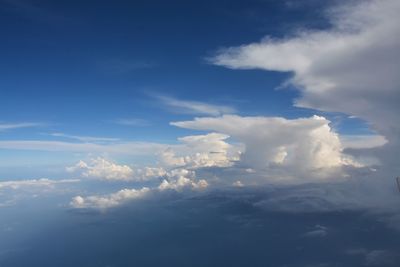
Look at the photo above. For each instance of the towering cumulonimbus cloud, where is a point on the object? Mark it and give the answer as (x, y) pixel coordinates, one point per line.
(302, 145)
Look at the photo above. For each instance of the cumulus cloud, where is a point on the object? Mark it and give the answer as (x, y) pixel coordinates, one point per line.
(298, 145)
(101, 168)
(351, 67)
(104, 169)
(197, 151)
(110, 200)
(177, 180)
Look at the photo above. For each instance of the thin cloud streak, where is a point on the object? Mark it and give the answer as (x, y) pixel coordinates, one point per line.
(193, 107)
(11, 126)
(85, 138)
(132, 122)
(126, 148)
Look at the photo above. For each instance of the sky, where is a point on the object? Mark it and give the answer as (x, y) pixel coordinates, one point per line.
(195, 123)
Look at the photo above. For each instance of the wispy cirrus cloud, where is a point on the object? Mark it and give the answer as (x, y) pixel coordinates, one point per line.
(126, 148)
(193, 107)
(43, 182)
(11, 126)
(85, 138)
(137, 122)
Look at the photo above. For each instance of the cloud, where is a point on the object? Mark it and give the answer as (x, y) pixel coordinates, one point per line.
(101, 168)
(127, 148)
(176, 180)
(11, 126)
(85, 139)
(362, 141)
(13, 191)
(179, 179)
(376, 257)
(43, 182)
(193, 107)
(198, 151)
(109, 201)
(381, 258)
(132, 122)
(237, 184)
(318, 231)
(351, 67)
(298, 146)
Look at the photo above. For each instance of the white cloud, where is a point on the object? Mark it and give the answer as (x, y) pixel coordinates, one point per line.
(104, 169)
(352, 67)
(126, 148)
(150, 172)
(297, 146)
(197, 151)
(85, 138)
(13, 191)
(194, 107)
(108, 201)
(43, 182)
(362, 141)
(176, 179)
(179, 179)
(10, 126)
(317, 231)
(132, 122)
(238, 184)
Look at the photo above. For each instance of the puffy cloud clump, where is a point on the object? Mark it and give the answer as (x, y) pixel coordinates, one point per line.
(179, 179)
(110, 200)
(298, 145)
(198, 151)
(101, 168)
